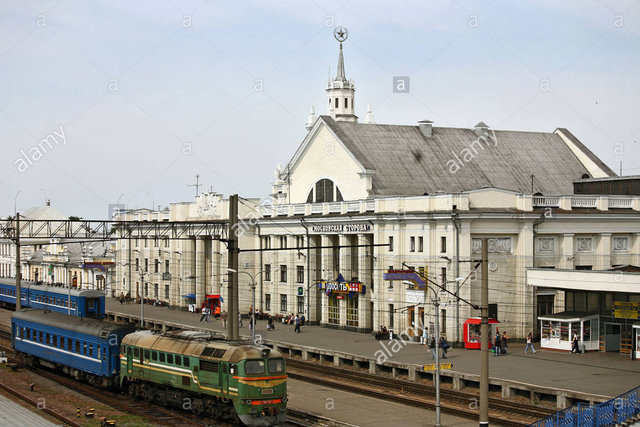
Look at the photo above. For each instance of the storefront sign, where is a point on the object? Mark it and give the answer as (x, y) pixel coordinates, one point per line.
(342, 287)
(341, 228)
(626, 310)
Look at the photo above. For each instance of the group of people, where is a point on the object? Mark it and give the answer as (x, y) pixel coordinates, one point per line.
(383, 333)
(443, 344)
(124, 299)
(500, 344)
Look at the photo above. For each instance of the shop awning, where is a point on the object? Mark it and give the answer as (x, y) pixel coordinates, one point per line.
(189, 296)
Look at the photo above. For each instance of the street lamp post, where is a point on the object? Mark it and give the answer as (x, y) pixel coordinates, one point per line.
(253, 300)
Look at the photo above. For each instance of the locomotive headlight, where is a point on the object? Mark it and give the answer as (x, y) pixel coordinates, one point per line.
(265, 353)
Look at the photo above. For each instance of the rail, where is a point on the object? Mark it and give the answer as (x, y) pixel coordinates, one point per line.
(613, 412)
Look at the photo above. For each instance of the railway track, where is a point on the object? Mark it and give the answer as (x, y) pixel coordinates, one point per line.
(458, 403)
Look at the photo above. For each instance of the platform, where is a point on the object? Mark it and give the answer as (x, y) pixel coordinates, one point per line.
(602, 374)
(13, 414)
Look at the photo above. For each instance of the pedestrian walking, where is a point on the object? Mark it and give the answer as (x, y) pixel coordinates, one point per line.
(497, 345)
(424, 337)
(270, 326)
(204, 314)
(530, 343)
(432, 347)
(575, 346)
(444, 345)
(297, 323)
(504, 342)
(223, 316)
(240, 320)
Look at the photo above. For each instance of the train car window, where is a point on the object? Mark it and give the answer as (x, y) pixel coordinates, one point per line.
(146, 354)
(41, 338)
(54, 340)
(48, 339)
(104, 355)
(129, 352)
(91, 350)
(84, 348)
(170, 359)
(276, 366)
(68, 344)
(161, 357)
(136, 352)
(77, 349)
(185, 361)
(178, 360)
(254, 367)
(154, 355)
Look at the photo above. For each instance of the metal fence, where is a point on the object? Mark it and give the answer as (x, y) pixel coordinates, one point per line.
(610, 413)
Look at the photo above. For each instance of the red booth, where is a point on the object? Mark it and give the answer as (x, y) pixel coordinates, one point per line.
(213, 303)
(471, 332)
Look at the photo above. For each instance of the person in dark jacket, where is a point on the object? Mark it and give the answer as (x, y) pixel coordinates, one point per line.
(432, 347)
(505, 343)
(497, 345)
(444, 345)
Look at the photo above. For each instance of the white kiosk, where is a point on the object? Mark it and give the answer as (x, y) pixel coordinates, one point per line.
(636, 336)
(557, 330)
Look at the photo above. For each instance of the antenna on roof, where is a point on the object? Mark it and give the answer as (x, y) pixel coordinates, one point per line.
(197, 184)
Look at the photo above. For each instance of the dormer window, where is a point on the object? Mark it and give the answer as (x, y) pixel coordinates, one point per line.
(324, 191)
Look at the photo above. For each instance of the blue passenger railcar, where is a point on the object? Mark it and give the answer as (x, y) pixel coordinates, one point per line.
(87, 349)
(84, 302)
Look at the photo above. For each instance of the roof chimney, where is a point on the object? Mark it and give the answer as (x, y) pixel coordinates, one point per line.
(426, 127)
(481, 128)
(48, 202)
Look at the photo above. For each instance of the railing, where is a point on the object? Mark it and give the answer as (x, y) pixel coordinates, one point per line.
(547, 202)
(620, 202)
(299, 209)
(610, 413)
(370, 205)
(584, 202)
(353, 206)
(282, 209)
(335, 207)
(316, 208)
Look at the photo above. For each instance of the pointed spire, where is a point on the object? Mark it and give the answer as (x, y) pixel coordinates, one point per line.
(340, 72)
(311, 119)
(369, 117)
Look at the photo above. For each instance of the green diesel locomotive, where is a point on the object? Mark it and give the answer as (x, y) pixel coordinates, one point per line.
(224, 380)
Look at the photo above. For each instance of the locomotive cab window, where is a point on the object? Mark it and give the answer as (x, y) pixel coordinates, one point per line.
(146, 354)
(170, 359)
(178, 360)
(252, 367)
(136, 352)
(161, 357)
(154, 355)
(276, 366)
(129, 352)
(185, 361)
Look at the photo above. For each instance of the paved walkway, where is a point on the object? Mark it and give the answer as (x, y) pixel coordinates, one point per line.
(608, 374)
(13, 414)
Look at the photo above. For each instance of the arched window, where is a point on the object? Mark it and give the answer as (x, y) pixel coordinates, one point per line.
(324, 191)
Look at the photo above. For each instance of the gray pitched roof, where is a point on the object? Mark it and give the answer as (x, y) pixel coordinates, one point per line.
(408, 163)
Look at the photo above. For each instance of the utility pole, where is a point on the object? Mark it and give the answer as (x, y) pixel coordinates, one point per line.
(233, 333)
(18, 272)
(484, 337)
(436, 304)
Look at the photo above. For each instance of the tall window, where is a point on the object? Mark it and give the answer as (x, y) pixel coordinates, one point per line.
(300, 274)
(443, 277)
(166, 292)
(352, 311)
(443, 244)
(267, 302)
(283, 303)
(300, 304)
(156, 265)
(420, 244)
(283, 273)
(283, 242)
(137, 263)
(334, 310)
(390, 243)
(166, 266)
(391, 313)
(267, 242)
(155, 290)
(267, 272)
(323, 191)
(146, 264)
(412, 244)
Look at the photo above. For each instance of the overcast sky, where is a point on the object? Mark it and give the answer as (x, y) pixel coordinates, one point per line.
(120, 87)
